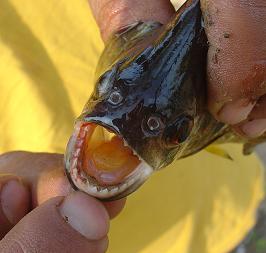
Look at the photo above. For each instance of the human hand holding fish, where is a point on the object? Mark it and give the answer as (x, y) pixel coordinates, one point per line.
(236, 88)
(236, 58)
(154, 82)
(35, 193)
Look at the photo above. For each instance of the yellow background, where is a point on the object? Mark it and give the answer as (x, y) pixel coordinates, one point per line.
(48, 53)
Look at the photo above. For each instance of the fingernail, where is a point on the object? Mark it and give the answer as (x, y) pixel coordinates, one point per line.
(254, 128)
(86, 215)
(14, 201)
(235, 112)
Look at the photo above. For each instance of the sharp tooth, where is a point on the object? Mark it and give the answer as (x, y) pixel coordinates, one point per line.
(73, 172)
(82, 134)
(114, 190)
(79, 143)
(74, 163)
(105, 191)
(135, 153)
(93, 189)
(132, 181)
(125, 143)
(122, 187)
(77, 152)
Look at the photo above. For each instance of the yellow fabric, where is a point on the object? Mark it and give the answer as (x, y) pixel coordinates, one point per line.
(49, 50)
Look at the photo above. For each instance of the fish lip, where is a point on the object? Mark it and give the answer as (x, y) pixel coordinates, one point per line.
(80, 181)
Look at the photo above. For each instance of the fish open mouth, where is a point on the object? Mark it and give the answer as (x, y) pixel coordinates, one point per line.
(99, 162)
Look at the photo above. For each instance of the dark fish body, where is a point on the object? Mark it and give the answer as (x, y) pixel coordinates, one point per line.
(151, 91)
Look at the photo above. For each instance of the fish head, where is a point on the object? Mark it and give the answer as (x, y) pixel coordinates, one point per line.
(143, 107)
(153, 119)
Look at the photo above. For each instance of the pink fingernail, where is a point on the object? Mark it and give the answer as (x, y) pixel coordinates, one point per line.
(86, 215)
(236, 112)
(254, 128)
(14, 201)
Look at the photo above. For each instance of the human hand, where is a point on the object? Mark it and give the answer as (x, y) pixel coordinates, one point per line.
(76, 223)
(237, 56)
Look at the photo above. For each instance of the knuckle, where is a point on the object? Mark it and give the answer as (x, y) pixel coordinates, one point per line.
(113, 14)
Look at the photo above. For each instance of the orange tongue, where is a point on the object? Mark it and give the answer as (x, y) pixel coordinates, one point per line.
(110, 162)
(111, 156)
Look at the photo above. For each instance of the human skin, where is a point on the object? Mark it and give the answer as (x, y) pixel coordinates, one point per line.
(236, 87)
(61, 218)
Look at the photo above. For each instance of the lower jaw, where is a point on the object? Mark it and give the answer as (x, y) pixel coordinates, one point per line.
(90, 186)
(88, 183)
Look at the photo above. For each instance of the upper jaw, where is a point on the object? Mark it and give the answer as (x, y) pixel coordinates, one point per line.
(85, 183)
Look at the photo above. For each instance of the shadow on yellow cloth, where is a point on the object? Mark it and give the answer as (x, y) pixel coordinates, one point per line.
(49, 50)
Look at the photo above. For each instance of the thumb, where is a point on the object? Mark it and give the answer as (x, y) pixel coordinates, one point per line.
(77, 223)
(112, 15)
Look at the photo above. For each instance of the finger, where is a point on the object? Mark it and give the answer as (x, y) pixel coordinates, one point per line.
(237, 57)
(77, 223)
(14, 202)
(51, 182)
(255, 125)
(44, 173)
(54, 183)
(115, 207)
(259, 111)
(111, 15)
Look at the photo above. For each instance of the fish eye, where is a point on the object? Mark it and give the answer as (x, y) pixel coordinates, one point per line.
(178, 132)
(154, 123)
(115, 98)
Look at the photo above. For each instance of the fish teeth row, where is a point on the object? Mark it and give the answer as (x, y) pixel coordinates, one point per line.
(99, 191)
(142, 172)
(81, 137)
(105, 192)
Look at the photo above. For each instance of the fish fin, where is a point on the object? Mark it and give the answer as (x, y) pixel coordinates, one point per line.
(219, 152)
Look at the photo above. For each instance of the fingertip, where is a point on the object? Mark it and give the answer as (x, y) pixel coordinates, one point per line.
(248, 119)
(112, 15)
(78, 222)
(233, 113)
(86, 215)
(15, 200)
(254, 128)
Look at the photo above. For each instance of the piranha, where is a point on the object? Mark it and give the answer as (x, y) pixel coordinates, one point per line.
(148, 107)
